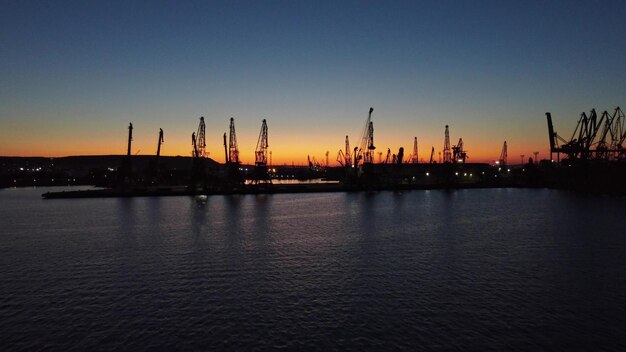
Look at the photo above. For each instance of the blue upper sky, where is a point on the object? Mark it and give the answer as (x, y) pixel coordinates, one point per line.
(74, 73)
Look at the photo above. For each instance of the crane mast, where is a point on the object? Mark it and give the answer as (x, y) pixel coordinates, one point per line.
(261, 146)
(194, 151)
(226, 158)
(366, 150)
(160, 141)
(447, 155)
(200, 143)
(414, 158)
(130, 138)
(348, 157)
(233, 149)
(503, 155)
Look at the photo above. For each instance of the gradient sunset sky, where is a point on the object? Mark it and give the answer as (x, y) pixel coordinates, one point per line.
(73, 74)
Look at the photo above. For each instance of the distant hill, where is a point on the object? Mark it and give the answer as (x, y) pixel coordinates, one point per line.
(85, 169)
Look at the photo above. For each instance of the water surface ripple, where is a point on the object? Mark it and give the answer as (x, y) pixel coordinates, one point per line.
(491, 269)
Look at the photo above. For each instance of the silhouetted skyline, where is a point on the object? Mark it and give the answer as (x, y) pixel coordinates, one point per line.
(74, 74)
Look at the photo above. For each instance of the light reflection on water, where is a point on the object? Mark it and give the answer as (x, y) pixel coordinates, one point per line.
(482, 269)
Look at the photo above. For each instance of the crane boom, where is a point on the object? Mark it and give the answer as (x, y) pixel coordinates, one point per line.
(261, 146)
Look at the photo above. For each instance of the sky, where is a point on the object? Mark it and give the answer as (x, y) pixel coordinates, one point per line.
(73, 74)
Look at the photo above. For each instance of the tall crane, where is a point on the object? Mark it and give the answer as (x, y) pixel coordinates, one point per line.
(130, 138)
(594, 137)
(200, 143)
(348, 157)
(618, 134)
(226, 158)
(194, 151)
(158, 153)
(125, 170)
(341, 158)
(198, 172)
(414, 158)
(447, 155)
(388, 157)
(261, 146)
(432, 153)
(459, 154)
(400, 155)
(260, 153)
(503, 155)
(160, 141)
(366, 150)
(233, 149)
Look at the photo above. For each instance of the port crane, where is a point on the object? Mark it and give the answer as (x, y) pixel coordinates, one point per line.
(414, 158)
(593, 137)
(198, 152)
(200, 143)
(125, 170)
(233, 148)
(348, 157)
(153, 170)
(366, 149)
(458, 153)
(400, 155)
(261, 146)
(260, 153)
(341, 158)
(159, 142)
(503, 155)
(447, 155)
(388, 157)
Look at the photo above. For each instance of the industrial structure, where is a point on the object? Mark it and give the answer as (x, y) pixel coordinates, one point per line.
(125, 175)
(593, 138)
(447, 154)
(198, 169)
(414, 156)
(595, 159)
(260, 154)
(503, 155)
(365, 151)
(458, 153)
